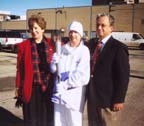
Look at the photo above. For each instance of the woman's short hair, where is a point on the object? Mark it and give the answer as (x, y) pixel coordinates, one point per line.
(37, 19)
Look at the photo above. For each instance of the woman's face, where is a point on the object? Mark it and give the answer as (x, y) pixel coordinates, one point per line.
(37, 32)
(75, 38)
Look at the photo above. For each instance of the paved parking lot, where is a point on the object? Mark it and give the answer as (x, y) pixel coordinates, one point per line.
(134, 105)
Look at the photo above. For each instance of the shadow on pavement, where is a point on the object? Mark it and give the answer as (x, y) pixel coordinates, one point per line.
(133, 48)
(136, 76)
(7, 83)
(9, 119)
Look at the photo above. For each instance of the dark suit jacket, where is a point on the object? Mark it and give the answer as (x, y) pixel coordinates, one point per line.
(111, 75)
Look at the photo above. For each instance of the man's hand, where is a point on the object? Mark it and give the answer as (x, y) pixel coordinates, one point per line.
(117, 106)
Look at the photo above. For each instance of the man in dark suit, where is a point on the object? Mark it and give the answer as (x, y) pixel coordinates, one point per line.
(110, 76)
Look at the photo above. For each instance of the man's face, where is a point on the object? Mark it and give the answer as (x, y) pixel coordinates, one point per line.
(103, 27)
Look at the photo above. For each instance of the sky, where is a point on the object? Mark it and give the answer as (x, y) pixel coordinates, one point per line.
(19, 7)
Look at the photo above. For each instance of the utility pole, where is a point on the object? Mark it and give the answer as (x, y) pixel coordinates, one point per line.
(133, 15)
(110, 7)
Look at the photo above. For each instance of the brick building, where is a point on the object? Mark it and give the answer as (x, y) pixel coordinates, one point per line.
(129, 17)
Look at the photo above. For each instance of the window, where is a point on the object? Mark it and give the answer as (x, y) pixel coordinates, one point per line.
(10, 34)
(136, 36)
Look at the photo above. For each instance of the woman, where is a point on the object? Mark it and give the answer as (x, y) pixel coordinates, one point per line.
(33, 77)
(74, 71)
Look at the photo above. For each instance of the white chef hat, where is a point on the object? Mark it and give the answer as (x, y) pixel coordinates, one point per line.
(76, 26)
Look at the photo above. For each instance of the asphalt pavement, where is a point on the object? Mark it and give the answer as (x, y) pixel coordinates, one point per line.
(133, 112)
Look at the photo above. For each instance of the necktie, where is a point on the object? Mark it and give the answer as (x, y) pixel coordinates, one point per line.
(95, 55)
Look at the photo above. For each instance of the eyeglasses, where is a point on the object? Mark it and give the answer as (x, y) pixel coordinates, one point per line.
(102, 25)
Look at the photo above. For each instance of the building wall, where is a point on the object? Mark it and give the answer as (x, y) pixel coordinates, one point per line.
(13, 25)
(63, 17)
(128, 18)
(102, 2)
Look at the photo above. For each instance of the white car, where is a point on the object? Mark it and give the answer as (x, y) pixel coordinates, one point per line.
(9, 38)
(130, 37)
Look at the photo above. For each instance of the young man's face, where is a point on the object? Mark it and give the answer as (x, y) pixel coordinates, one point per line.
(103, 27)
(74, 37)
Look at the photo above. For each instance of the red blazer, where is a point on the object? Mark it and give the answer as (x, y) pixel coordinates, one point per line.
(24, 73)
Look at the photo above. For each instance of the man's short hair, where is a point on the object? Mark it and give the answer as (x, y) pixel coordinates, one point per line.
(111, 18)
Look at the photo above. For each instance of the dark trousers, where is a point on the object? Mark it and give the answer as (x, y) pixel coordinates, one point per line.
(102, 116)
(39, 111)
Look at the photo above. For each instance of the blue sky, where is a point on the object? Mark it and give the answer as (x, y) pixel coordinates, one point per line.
(19, 7)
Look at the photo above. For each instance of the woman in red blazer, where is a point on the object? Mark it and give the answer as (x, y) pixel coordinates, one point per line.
(33, 77)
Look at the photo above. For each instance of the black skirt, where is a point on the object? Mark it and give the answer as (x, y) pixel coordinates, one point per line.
(39, 111)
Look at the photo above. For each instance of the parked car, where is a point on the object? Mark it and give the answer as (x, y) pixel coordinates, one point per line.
(9, 38)
(130, 37)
